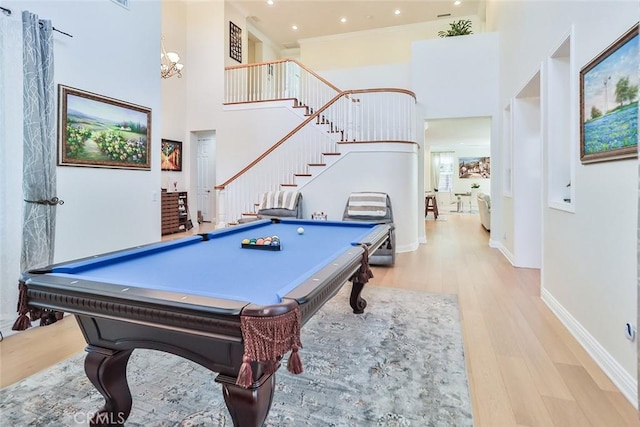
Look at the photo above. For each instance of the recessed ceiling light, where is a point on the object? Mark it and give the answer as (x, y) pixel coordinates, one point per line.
(294, 27)
(343, 20)
(457, 2)
(397, 11)
(270, 2)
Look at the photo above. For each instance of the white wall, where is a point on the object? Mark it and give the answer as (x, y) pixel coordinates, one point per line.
(372, 76)
(268, 50)
(173, 91)
(457, 77)
(207, 52)
(589, 273)
(105, 209)
(391, 171)
(233, 14)
(254, 129)
(391, 45)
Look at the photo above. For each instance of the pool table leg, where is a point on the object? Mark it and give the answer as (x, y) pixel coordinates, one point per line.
(107, 370)
(356, 301)
(248, 407)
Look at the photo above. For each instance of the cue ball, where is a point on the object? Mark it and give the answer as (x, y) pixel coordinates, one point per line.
(300, 230)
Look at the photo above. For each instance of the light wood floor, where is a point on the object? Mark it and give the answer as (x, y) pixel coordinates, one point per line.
(524, 367)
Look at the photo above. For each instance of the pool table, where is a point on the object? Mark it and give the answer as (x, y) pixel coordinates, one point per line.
(205, 298)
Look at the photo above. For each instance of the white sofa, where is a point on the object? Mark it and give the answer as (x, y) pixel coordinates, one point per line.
(484, 208)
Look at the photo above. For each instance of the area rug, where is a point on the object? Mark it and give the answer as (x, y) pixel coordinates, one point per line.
(401, 363)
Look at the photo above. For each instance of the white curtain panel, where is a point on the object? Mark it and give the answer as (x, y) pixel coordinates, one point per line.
(435, 171)
(39, 157)
(10, 165)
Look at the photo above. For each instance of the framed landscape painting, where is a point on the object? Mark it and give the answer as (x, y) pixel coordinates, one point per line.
(609, 102)
(97, 131)
(171, 152)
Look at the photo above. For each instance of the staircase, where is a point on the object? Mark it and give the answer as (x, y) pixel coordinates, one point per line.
(332, 118)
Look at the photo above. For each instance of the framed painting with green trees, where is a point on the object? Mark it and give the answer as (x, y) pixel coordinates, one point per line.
(609, 102)
(98, 131)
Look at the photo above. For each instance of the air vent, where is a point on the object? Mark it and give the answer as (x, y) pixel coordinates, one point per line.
(291, 45)
(255, 18)
(444, 15)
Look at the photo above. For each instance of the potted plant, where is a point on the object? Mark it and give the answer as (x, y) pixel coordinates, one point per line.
(457, 28)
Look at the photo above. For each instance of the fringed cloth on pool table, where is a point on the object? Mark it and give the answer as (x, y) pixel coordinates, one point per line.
(23, 321)
(266, 339)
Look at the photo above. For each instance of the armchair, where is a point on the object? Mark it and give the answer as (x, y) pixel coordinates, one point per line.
(374, 207)
(484, 208)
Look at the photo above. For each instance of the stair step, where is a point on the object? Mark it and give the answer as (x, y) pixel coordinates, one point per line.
(317, 164)
(302, 178)
(306, 112)
(250, 214)
(331, 154)
(288, 185)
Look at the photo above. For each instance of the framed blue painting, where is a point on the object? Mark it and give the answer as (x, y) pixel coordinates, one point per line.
(609, 102)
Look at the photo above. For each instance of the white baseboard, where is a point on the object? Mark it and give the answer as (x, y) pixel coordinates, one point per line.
(5, 327)
(507, 254)
(7, 324)
(619, 376)
(410, 247)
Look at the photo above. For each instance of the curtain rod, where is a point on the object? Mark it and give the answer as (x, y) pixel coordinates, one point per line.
(55, 29)
(8, 12)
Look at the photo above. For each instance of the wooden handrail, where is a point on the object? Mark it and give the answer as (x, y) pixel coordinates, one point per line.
(279, 61)
(389, 141)
(304, 123)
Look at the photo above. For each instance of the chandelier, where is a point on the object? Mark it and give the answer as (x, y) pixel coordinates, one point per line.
(169, 63)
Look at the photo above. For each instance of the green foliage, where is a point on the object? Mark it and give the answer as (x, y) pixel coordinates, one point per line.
(119, 149)
(457, 28)
(133, 127)
(595, 112)
(76, 138)
(625, 92)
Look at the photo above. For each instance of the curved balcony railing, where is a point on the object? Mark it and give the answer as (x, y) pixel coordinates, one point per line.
(277, 80)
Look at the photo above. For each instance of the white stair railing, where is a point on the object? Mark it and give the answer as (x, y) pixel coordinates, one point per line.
(367, 115)
(277, 80)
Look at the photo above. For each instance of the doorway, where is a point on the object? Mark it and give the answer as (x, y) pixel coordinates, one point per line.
(452, 145)
(204, 148)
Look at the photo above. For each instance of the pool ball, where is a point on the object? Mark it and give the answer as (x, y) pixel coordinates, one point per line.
(300, 230)
(245, 241)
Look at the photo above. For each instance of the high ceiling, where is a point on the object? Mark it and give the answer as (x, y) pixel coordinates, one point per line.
(317, 18)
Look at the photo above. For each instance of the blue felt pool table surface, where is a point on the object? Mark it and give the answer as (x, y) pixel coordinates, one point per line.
(220, 267)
